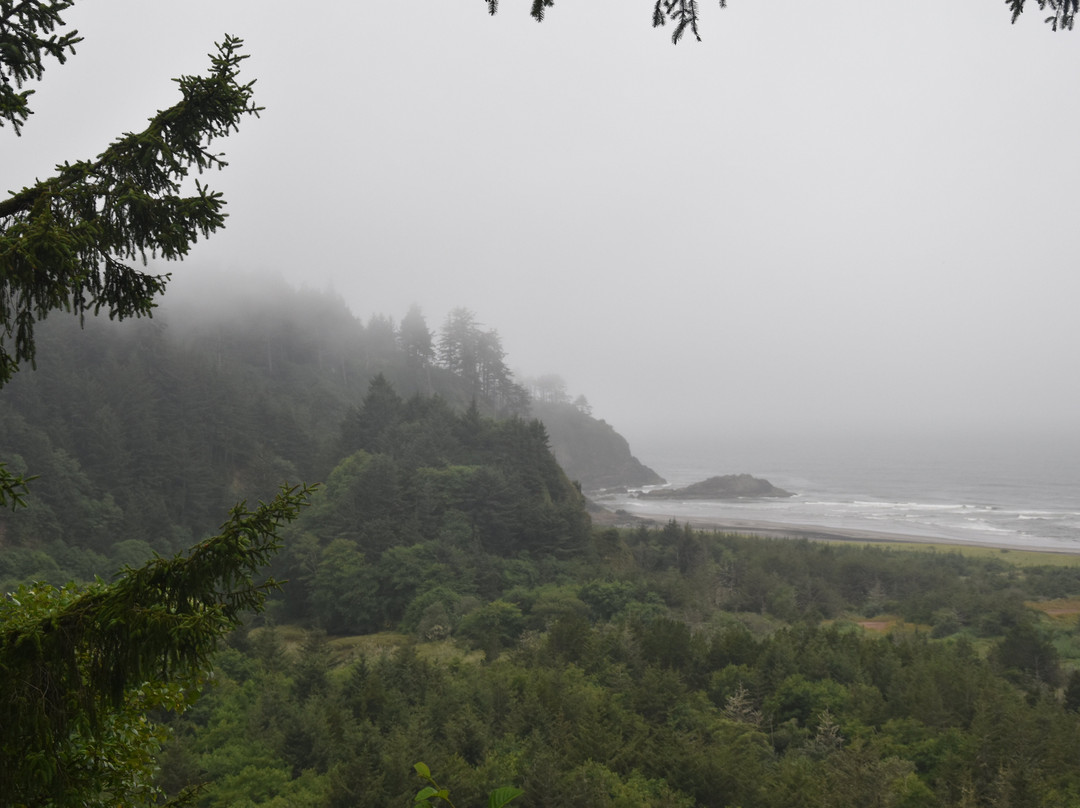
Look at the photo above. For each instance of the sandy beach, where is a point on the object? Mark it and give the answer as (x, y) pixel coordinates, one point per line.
(784, 530)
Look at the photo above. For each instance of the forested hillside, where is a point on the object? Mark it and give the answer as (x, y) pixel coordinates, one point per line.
(143, 434)
(428, 508)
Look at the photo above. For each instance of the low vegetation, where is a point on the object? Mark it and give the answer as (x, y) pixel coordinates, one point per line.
(657, 667)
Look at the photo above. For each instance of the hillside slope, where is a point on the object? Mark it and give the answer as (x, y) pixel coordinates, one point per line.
(144, 434)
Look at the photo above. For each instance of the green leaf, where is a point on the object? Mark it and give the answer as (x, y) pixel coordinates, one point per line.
(423, 770)
(425, 793)
(501, 796)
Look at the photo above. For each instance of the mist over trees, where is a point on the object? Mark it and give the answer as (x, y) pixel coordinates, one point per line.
(477, 356)
(144, 434)
(590, 449)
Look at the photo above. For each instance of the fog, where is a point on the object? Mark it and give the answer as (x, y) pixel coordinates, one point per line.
(826, 216)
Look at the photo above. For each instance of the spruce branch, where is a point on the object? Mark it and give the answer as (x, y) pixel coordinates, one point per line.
(13, 488)
(26, 43)
(75, 660)
(64, 241)
(684, 13)
(538, 7)
(1063, 18)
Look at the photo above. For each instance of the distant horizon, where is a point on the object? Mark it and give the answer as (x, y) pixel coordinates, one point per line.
(867, 440)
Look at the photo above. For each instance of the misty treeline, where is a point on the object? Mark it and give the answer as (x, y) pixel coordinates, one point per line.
(144, 434)
(647, 667)
(139, 438)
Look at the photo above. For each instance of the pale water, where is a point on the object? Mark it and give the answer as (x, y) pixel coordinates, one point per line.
(1018, 491)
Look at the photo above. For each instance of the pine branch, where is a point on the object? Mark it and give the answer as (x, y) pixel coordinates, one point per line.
(13, 489)
(684, 13)
(538, 7)
(71, 658)
(1063, 18)
(24, 49)
(64, 240)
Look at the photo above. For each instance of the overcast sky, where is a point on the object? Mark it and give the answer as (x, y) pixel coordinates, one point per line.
(828, 214)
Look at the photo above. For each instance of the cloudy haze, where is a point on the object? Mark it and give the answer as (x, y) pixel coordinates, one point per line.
(825, 215)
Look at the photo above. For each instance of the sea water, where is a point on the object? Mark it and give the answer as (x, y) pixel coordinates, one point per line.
(1012, 490)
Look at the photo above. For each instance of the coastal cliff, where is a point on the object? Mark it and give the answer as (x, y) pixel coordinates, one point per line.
(590, 450)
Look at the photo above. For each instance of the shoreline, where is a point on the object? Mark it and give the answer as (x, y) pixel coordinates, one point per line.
(785, 530)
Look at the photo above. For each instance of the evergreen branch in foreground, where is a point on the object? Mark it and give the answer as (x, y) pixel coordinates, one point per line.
(81, 667)
(66, 242)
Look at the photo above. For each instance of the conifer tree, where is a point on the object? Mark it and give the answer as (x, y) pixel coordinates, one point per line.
(415, 337)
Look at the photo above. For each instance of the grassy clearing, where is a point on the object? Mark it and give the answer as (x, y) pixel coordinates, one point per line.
(343, 649)
(291, 637)
(347, 648)
(1062, 611)
(373, 645)
(447, 652)
(1019, 558)
(881, 624)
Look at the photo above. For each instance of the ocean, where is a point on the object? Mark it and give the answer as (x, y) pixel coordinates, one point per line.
(1020, 491)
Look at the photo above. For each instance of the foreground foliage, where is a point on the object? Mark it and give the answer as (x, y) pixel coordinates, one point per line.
(81, 667)
(433, 791)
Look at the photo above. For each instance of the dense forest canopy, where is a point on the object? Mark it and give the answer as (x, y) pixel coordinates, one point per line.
(652, 667)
